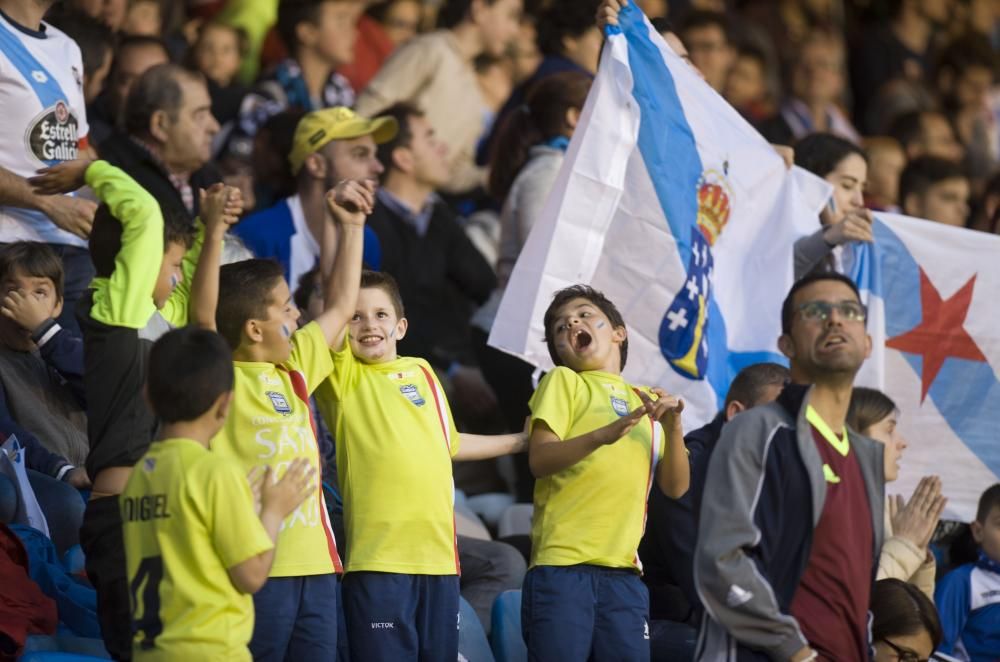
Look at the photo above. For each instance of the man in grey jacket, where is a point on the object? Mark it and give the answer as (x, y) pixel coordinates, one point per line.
(791, 518)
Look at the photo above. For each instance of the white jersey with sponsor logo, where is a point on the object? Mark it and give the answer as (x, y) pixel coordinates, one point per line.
(43, 115)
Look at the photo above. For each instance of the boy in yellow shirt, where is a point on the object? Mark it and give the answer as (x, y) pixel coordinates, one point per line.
(597, 444)
(395, 441)
(276, 371)
(194, 546)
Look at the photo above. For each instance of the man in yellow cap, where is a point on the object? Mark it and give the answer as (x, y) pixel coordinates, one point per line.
(329, 146)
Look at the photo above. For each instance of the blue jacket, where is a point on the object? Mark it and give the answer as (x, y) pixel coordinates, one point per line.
(968, 602)
(667, 547)
(268, 234)
(764, 497)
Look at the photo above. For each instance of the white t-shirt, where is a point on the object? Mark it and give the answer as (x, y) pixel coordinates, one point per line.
(42, 115)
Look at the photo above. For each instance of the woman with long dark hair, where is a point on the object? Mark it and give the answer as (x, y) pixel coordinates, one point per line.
(528, 153)
(905, 624)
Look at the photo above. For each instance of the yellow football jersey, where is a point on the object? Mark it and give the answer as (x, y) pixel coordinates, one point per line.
(593, 512)
(395, 440)
(270, 423)
(188, 516)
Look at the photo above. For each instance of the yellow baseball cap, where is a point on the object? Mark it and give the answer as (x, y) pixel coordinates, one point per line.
(319, 127)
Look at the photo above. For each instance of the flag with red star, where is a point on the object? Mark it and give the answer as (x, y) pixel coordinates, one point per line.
(933, 293)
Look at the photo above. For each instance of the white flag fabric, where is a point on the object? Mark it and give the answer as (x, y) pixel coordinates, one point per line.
(680, 212)
(933, 293)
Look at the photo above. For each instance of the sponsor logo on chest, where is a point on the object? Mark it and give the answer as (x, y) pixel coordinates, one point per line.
(412, 394)
(53, 134)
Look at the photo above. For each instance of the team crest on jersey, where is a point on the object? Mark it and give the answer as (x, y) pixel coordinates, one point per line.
(39, 76)
(279, 402)
(412, 394)
(52, 136)
(149, 464)
(619, 405)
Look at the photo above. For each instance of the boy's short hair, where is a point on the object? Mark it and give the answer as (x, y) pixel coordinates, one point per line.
(402, 112)
(924, 172)
(987, 502)
(383, 281)
(748, 386)
(788, 306)
(189, 369)
(33, 259)
(105, 239)
(453, 12)
(245, 294)
(604, 304)
(561, 20)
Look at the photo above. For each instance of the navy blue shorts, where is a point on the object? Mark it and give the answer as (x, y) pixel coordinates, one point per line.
(401, 617)
(585, 612)
(295, 619)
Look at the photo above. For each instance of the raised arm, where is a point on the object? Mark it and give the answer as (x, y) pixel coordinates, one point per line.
(221, 207)
(673, 473)
(349, 203)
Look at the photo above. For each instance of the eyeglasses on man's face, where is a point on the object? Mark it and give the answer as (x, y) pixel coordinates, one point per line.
(820, 311)
(905, 654)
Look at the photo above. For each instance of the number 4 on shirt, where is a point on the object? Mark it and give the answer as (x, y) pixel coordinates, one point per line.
(147, 581)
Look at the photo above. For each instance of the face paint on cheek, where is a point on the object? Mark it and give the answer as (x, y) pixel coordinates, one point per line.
(392, 334)
(600, 325)
(285, 331)
(174, 281)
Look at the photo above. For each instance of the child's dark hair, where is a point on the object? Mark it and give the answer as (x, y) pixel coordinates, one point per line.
(242, 41)
(987, 502)
(542, 117)
(244, 294)
(33, 259)
(788, 306)
(308, 283)
(383, 281)
(454, 12)
(94, 38)
(821, 153)
(899, 609)
(601, 302)
(290, 14)
(106, 237)
(189, 369)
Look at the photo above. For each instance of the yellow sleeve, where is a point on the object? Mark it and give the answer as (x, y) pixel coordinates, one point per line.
(126, 298)
(229, 514)
(311, 355)
(176, 309)
(402, 77)
(553, 401)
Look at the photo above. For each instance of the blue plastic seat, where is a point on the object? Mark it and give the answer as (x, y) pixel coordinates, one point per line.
(505, 637)
(472, 642)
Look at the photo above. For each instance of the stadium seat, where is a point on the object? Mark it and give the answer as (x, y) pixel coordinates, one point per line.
(506, 638)
(516, 520)
(472, 643)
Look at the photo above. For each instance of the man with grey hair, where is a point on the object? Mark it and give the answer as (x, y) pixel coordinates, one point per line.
(165, 142)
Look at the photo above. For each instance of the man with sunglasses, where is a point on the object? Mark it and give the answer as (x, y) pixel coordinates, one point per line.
(792, 514)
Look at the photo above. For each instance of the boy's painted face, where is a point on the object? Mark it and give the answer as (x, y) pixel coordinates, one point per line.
(274, 332)
(39, 289)
(585, 339)
(170, 274)
(375, 329)
(987, 533)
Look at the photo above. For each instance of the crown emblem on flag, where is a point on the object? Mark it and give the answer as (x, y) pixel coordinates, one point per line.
(713, 204)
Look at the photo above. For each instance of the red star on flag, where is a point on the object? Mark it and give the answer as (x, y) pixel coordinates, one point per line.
(941, 332)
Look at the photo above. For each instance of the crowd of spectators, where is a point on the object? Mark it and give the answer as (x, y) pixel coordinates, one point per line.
(238, 120)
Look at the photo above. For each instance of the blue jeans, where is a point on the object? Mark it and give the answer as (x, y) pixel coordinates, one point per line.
(60, 502)
(296, 620)
(585, 612)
